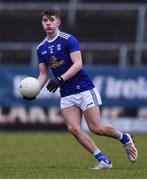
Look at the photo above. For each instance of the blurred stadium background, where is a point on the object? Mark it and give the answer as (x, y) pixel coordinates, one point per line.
(114, 46)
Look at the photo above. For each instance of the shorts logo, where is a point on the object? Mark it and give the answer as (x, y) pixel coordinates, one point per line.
(78, 87)
(90, 104)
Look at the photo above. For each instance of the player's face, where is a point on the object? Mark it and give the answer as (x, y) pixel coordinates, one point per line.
(50, 24)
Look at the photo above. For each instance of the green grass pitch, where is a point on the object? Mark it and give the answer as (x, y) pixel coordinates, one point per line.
(58, 155)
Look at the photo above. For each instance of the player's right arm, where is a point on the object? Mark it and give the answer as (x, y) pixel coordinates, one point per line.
(43, 74)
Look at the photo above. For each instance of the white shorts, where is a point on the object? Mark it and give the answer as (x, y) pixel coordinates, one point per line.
(83, 100)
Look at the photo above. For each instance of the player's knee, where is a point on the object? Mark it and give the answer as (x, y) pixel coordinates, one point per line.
(73, 129)
(97, 129)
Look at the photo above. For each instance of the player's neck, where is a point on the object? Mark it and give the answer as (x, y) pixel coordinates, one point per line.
(53, 35)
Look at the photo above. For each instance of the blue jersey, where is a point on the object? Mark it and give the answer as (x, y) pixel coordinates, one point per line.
(56, 53)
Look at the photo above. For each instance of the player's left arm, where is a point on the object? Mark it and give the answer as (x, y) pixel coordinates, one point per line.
(74, 69)
(76, 59)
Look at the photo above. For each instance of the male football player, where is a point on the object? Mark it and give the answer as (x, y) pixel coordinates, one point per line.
(60, 51)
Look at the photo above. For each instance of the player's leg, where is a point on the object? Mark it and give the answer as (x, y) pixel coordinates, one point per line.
(92, 116)
(72, 116)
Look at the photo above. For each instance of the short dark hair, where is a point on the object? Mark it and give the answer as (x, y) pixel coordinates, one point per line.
(51, 12)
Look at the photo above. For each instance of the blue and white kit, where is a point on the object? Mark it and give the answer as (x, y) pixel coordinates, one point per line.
(56, 53)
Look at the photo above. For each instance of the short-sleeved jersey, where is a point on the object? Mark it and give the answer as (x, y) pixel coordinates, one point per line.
(56, 53)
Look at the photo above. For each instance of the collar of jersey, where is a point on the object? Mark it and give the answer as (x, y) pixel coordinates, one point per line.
(53, 38)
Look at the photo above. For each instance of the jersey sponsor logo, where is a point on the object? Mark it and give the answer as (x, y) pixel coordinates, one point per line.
(55, 63)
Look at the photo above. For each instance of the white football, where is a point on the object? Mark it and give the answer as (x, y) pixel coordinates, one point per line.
(29, 87)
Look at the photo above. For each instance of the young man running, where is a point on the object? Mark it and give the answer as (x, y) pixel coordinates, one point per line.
(60, 51)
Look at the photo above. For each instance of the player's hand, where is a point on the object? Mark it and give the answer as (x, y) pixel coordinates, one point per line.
(29, 99)
(54, 84)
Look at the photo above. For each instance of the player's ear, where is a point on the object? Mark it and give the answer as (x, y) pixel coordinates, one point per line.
(59, 22)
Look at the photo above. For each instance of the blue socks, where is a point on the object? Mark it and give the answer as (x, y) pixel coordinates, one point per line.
(101, 157)
(124, 138)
